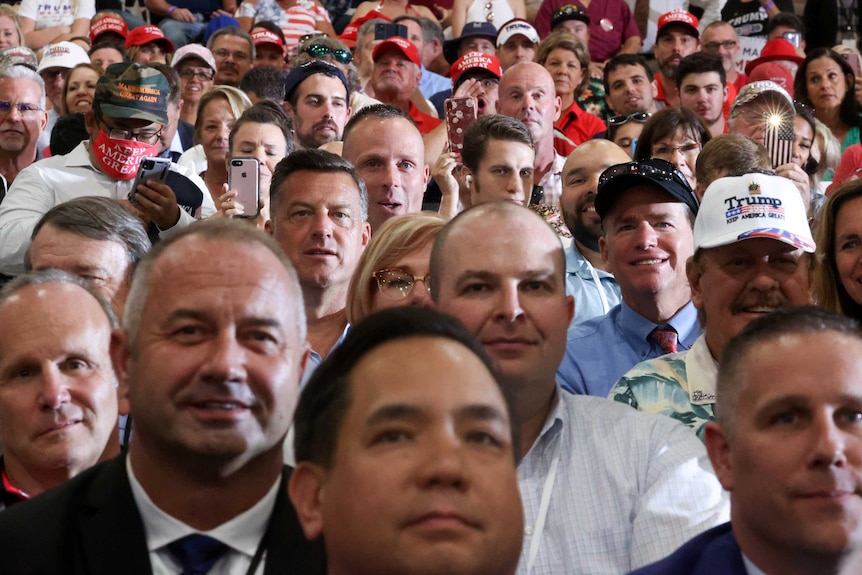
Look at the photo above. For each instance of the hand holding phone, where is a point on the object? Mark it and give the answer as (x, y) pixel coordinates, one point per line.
(460, 113)
(151, 169)
(244, 179)
(852, 58)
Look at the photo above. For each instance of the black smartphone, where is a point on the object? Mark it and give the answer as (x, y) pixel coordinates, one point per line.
(537, 195)
(150, 170)
(244, 178)
(387, 30)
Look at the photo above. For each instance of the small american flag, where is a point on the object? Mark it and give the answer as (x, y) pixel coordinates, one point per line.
(779, 140)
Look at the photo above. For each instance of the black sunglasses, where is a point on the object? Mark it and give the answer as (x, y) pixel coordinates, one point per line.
(319, 51)
(655, 168)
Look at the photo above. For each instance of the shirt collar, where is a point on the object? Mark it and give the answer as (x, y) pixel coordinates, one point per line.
(79, 156)
(243, 533)
(750, 567)
(701, 373)
(577, 264)
(635, 328)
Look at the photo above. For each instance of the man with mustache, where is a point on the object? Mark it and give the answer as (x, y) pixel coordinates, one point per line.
(677, 37)
(209, 361)
(753, 254)
(21, 122)
(58, 396)
(317, 99)
(233, 51)
(787, 445)
(595, 289)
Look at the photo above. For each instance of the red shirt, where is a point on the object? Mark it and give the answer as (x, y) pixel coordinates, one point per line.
(424, 122)
(577, 126)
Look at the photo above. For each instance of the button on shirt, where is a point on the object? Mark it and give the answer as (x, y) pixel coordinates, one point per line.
(600, 350)
(242, 534)
(581, 283)
(630, 489)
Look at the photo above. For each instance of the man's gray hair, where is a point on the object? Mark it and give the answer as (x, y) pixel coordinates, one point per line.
(57, 276)
(17, 72)
(101, 219)
(217, 229)
(232, 31)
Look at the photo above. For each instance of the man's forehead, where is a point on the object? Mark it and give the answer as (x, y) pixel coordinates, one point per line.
(701, 79)
(322, 84)
(626, 71)
(719, 33)
(526, 77)
(230, 40)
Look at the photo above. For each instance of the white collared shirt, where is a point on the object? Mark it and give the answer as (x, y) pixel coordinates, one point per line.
(242, 534)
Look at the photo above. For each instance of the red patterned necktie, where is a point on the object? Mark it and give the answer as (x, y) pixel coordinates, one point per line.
(665, 337)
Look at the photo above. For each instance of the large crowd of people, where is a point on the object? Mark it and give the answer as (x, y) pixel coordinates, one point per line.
(513, 287)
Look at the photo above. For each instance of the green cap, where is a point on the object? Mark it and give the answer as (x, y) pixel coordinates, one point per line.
(133, 91)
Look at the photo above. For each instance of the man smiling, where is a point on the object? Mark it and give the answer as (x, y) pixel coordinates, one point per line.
(742, 267)
(647, 211)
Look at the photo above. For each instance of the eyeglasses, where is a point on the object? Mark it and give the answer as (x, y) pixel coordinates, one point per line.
(319, 51)
(397, 284)
(145, 136)
(23, 108)
(205, 74)
(714, 46)
(685, 149)
(225, 53)
(51, 75)
(621, 119)
(655, 168)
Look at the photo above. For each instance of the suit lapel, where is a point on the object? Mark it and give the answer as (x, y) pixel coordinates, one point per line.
(111, 530)
(287, 549)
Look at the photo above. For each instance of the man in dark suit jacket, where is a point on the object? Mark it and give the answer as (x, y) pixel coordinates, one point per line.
(209, 362)
(787, 444)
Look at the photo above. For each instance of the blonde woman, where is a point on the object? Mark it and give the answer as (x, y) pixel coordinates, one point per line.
(393, 270)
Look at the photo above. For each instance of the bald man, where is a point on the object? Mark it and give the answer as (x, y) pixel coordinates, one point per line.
(594, 287)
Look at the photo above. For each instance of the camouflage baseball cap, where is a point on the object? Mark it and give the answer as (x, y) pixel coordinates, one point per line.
(133, 91)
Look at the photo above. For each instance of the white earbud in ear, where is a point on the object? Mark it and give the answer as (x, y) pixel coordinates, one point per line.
(468, 180)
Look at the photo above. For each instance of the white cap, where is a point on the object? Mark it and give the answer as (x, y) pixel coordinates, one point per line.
(62, 55)
(752, 206)
(515, 27)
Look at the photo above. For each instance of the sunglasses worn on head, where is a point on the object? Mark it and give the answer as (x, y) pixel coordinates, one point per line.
(655, 168)
(319, 51)
(621, 119)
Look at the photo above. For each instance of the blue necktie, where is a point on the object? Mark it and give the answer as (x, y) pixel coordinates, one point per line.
(197, 553)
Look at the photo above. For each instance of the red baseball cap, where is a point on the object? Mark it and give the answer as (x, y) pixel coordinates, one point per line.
(146, 34)
(109, 22)
(775, 49)
(266, 37)
(678, 16)
(472, 61)
(399, 44)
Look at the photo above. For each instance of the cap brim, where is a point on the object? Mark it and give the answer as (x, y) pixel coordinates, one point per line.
(771, 233)
(115, 111)
(611, 192)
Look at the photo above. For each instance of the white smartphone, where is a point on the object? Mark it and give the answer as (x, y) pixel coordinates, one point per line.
(244, 179)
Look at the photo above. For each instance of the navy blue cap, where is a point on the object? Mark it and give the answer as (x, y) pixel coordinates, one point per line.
(657, 173)
(299, 74)
(486, 29)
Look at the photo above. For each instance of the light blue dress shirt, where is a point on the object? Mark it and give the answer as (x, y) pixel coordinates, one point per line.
(431, 83)
(581, 283)
(601, 350)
